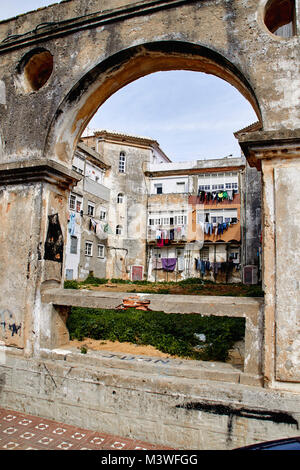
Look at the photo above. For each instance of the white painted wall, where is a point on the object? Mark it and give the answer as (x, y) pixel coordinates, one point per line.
(169, 184)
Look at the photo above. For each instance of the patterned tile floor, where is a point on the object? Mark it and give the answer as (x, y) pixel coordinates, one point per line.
(19, 431)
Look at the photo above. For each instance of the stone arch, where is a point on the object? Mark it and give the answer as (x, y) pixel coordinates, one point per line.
(122, 68)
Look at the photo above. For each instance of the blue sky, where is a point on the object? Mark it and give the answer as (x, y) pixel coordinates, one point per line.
(191, 114)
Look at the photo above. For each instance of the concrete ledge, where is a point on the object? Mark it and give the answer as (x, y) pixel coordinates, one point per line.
(168, 367)
(204, 305)
(249, 308)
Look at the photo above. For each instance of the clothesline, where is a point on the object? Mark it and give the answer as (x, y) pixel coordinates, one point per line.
(100, 228)
(165, 236)
(217, 227)
(223, 266)
(219, 196)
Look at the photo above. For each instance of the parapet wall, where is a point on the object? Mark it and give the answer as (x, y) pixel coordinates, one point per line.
(142, 398)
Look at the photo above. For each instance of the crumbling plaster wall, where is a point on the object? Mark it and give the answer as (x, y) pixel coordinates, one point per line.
(242, 39)
(223, 37)
(128, 248)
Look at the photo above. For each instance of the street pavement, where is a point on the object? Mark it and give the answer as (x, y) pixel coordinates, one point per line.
(20, 431)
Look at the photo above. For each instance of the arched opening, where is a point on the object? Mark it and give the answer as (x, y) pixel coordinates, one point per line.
(120, 198)
(117, 71)
(77, 110)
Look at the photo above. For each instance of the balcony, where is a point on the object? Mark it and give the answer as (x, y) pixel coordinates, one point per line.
(97, 189)
(175, 234)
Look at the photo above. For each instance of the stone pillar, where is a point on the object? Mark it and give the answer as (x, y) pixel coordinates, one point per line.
(278, 157)
(33, 214)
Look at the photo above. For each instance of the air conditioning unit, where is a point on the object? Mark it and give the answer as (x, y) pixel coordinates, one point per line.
(250, 274)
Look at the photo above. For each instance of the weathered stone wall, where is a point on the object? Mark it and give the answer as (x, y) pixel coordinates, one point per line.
(251, 226)
(128, 248)
(242, 39)
(41, 122)
(141, 398)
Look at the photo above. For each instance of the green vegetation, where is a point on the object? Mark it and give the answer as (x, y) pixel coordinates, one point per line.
(94, 281)
(71, 285)
(119, 281)
(89, 281)
(173, 334)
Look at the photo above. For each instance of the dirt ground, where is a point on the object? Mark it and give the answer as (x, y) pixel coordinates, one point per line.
(236, 355)
(115, 346)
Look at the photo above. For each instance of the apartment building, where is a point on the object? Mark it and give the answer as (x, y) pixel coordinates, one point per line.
(113, 196)
(145, 217)
(195, 219)
(86, 248)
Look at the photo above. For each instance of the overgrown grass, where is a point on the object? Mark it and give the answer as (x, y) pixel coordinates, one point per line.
(120, 281)
(71, 285)
(173, 334)
(95, 281)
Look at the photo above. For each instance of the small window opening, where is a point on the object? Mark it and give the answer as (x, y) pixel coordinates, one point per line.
(36, 68)
(122, 162)
(88, 249)
(158, 188)
(280, 17)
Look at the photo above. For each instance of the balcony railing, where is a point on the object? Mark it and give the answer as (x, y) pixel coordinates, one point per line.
(97, 189)
(167, 232)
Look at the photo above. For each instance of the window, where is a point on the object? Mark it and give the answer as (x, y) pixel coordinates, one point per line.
(91, 209)
(204, 187)
(100, 251)
(72, 202)
(180, 219)
(204, 253)
(102, 214)
(158, 188)
(122, 162)
(78, 205)
(74, 244)
(118, 230)
(88, 249)
(75, 203)
(180, 187)
(120, 198)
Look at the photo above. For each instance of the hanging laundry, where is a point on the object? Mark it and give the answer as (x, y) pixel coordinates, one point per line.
(157, 264)
(99, 230)
(158, 234)
(169, 264)
(160, 242)
(107, 229)
(72, 223)
(93, 225)
(202, 266)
